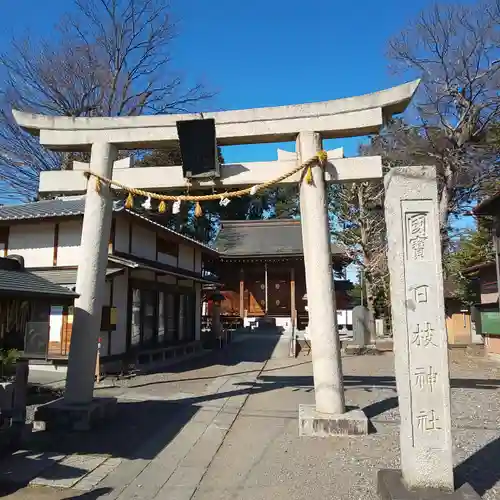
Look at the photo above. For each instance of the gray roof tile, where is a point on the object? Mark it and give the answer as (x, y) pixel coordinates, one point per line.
(25, 284)
(65, 276)
(262, 238)
(44, 209)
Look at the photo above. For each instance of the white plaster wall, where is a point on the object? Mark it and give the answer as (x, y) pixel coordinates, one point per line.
(488, 285)
(68, 251)
(488, 298)
(120, 296)
(197, 260)
(167, 259)
(143, 242)
(171, 280)
(34, 242)
(122, 235)
(186, 257)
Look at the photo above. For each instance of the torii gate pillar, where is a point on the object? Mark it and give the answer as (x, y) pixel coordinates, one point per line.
(328, 416)
(90, 280)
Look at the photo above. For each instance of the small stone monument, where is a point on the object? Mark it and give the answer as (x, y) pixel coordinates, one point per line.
(380, 328)
(363, 326)
(420, 340)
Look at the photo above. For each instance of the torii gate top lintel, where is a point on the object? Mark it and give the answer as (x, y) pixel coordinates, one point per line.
(347, 117)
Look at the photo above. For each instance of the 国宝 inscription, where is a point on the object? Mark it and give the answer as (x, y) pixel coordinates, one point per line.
(417, 235)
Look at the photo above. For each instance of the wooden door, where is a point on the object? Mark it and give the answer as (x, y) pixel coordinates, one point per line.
(61, 325)
(278, 296)
(256, 296)
(459, 328)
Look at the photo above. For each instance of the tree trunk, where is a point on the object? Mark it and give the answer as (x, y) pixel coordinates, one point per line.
(370, 300)
(444, 207)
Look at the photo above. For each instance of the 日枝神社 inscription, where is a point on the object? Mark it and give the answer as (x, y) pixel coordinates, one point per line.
(425, 378)
(419, 327)
(428, 421)
(425, 400)
(423, 335)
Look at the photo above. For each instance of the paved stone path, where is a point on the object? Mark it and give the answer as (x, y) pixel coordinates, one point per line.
(226, 428)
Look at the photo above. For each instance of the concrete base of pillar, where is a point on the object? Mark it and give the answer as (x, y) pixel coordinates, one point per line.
(390, 486)
(314, 424)
(61, 416)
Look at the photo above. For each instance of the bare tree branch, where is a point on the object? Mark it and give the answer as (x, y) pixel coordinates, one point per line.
(110, 58)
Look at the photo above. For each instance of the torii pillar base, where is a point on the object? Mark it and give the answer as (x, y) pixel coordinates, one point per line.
(390, 486)
(59, 415)
(315, 424)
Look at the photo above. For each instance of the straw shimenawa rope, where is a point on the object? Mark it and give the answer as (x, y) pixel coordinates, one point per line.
(320, 158)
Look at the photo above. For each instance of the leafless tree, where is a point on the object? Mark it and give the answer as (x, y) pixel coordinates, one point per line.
(357, 222)
(109, 58)
(455, 50)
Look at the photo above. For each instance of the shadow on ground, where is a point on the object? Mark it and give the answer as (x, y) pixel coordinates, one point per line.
(143, 428)
(482, 469)
(48, 494)
(140, 430)
(373, 382)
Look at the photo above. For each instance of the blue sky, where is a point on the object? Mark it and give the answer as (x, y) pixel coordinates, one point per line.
(264, 53)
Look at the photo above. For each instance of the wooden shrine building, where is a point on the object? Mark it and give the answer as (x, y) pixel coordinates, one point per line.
(261, 265)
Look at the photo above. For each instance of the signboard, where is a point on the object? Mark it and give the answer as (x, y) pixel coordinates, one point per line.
(109, 318)
(490, 322)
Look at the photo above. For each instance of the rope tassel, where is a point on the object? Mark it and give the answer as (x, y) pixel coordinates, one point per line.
(98, 185)
(176, 207)
(322, 158)
(147, 204)
(198, 212)
(309, 175)
(129, 203)
(162, 207)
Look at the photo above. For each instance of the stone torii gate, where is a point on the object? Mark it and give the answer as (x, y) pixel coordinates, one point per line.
(307, 124)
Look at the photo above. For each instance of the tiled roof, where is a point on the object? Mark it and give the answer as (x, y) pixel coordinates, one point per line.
(65, 276)
(134, 262)
(44, 209)
(74, 206)
(280, 237)
(478, 267)
(490, 206)
(16, 284)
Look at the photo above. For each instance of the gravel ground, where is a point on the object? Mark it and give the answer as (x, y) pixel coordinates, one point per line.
(262, 456)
